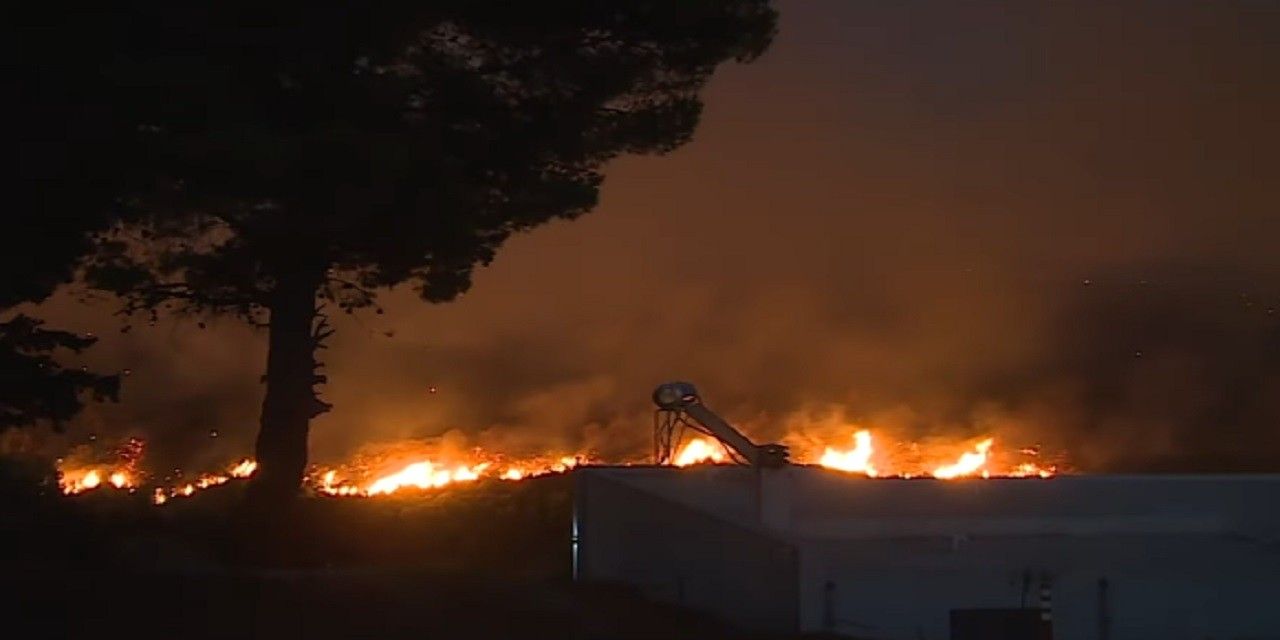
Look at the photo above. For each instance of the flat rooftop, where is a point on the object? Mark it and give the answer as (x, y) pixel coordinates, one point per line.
(811, 501)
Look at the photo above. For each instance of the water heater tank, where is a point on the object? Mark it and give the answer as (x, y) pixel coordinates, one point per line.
(674, 395)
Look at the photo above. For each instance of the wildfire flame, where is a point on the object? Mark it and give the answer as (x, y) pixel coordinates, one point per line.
(242, 469)
(427, 468)
(978, 461)
(80, 480)
(435, 474)
(424, 475)
(1032, 470)
(699, 450)
(75, 478)
(855, 460)
(77, 482)
(969, 463)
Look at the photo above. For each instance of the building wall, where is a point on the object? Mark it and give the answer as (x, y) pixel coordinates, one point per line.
(1157, 587)
(1192, 557)
(676, 554)
(827, 503)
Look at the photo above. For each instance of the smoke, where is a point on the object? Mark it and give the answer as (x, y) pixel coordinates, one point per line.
(1055, 224)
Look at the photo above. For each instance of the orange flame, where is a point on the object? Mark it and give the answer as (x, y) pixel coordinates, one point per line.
(699, 450)
(243, 469)
(82, 476)
(968, 463)
(73, 481)
(1032, 470)
(383, 474)
(429, 473)
(424, 475)
(978, 461)
(855, 460)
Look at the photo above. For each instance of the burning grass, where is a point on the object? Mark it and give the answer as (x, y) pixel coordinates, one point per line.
(456, 523)
(417, 467)
(83, 470)
(427, 495)
(942, 461)
(380, 471)
(977, 458)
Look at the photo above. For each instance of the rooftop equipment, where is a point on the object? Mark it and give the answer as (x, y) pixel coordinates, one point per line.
(680, 406)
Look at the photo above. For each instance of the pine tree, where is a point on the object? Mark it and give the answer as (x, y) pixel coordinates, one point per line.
(301, 161)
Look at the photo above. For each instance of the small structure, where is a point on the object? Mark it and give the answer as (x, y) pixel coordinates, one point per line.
(804, 549)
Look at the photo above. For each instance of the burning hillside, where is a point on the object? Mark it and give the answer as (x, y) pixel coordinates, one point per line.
(241, 469)
(374, 475)
(83, 470)
(902, 460)
(417, 466)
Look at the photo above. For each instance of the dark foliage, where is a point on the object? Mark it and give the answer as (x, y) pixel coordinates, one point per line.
(33, 386)
(65, 134)
(297, 161)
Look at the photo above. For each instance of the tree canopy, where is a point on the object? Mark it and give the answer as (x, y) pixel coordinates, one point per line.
(64, 131)
(34, 387)
(289, 158)
(397, 144)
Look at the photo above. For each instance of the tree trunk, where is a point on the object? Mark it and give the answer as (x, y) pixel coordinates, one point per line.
(290, 402)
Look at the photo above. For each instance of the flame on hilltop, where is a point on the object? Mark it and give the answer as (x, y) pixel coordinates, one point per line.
(389, 477)
(1032, 470)
(79, 480)
(969, 463)
(417, 466)
(855, 460)
(901, 460)
(425, 475)
(978, 460)
(242, 469)
(700, 450)
(77, 474)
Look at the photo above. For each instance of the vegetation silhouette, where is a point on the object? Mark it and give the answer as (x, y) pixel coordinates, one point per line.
(292, 163)
(66, 132)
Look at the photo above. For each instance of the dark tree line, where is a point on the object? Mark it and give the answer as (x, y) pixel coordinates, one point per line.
(284, 163)
(64, 133)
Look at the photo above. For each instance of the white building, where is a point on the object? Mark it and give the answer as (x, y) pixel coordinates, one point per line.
(804, 549)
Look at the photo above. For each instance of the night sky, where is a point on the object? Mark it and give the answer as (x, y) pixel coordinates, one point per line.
(1056, 222)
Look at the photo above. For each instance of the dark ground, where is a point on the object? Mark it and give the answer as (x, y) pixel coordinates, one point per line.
(339, 604)
(488, 560)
